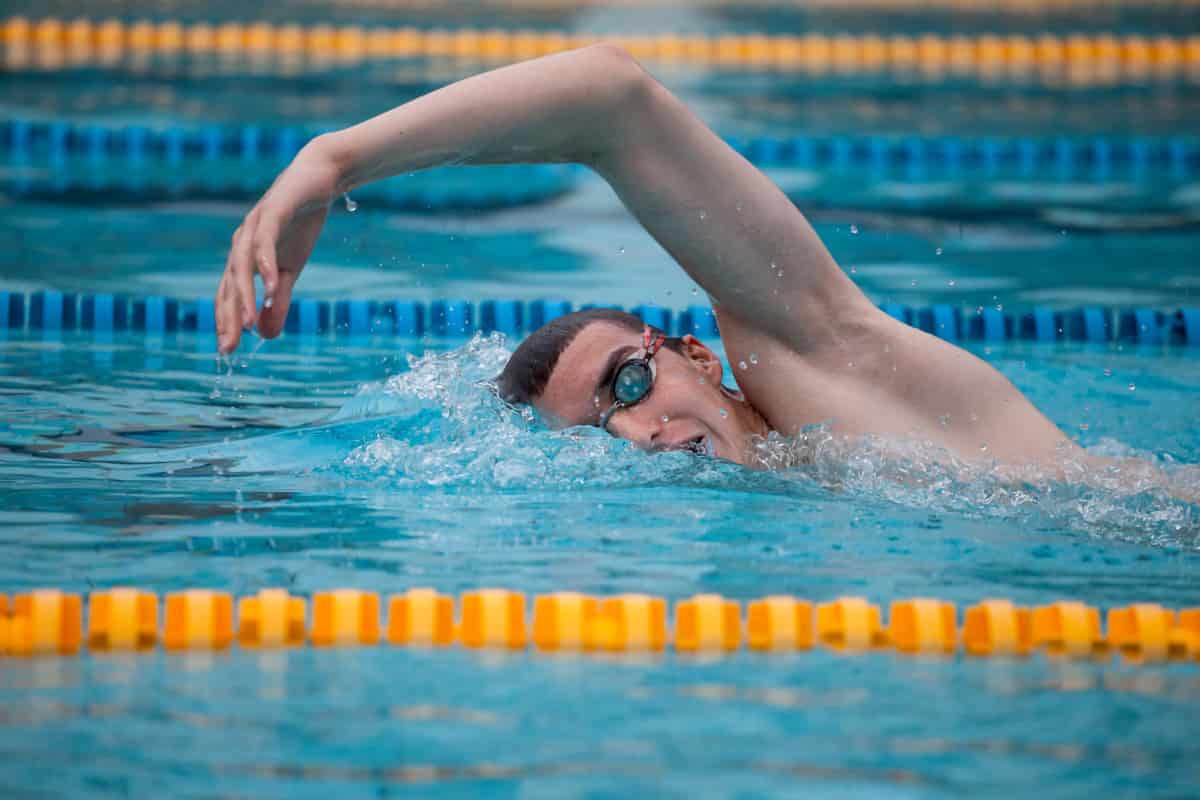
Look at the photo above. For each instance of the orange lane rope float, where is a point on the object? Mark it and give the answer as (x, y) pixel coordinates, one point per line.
(50, 622)
(1079, 58)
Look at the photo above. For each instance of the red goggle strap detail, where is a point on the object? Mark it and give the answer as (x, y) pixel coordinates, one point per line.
(651, 347)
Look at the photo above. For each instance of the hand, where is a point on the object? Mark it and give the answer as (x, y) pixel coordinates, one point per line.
(274, 241)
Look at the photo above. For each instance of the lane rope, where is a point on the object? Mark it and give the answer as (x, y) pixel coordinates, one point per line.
(1076, 58)
(52, 311)
(77, 156)
(51, 622)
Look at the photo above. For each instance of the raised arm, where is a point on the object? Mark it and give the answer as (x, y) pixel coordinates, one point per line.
(734, 232)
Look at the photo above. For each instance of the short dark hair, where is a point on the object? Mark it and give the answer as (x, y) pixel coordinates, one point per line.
(528, 370)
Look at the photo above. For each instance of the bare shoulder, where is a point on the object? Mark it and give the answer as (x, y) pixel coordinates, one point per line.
(870, 374)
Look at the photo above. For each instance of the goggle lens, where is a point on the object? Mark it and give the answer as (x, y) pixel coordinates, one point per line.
(633, 382)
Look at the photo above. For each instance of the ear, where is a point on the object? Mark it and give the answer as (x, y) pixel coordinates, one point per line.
(703, 359)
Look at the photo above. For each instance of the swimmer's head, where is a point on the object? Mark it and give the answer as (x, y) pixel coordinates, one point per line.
(566, 368)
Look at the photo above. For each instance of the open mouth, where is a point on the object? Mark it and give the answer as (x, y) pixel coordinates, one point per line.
(700, 445)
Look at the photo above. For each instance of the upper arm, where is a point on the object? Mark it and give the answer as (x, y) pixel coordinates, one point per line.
(727, 224)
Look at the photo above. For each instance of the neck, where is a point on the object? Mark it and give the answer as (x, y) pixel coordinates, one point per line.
(747, 414)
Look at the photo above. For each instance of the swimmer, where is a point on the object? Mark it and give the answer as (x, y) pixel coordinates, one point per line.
(806, 344)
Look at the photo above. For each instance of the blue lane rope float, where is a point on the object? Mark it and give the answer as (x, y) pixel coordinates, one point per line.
(51, 310)
(58, 158)
(60, 143)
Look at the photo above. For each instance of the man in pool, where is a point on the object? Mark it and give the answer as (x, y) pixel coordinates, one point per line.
(808, 345)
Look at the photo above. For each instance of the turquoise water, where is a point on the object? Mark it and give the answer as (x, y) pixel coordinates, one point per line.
(311, 466)
(383, 464)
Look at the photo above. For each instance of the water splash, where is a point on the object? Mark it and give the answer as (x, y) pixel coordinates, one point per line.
(446, 427)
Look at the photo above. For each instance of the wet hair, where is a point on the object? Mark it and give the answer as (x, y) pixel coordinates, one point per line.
(528, 370)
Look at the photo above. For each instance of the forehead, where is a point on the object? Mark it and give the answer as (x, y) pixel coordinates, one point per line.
(569, 395)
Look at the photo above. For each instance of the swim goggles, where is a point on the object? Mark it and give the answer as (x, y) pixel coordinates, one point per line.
(635, 378)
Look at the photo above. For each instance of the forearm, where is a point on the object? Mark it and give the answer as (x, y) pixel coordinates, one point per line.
(553, 109)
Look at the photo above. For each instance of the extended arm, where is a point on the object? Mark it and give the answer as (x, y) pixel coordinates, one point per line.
(734, 232)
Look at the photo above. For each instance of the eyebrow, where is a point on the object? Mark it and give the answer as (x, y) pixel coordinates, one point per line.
(615, 359)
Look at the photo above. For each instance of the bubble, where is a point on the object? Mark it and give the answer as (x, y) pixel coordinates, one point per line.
(1133, 387)
(854, 230)
(351, 206)
(937, 252)
(753, 358)
(724, 413)
(741, 365)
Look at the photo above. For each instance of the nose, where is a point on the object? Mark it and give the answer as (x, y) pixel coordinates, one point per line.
(639, 426)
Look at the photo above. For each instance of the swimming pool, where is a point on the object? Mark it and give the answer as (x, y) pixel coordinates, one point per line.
(378, 462)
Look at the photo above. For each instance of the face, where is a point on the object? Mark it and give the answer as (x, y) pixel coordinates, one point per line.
(686, 409)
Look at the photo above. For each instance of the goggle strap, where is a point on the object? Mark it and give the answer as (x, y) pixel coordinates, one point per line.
(651, 347)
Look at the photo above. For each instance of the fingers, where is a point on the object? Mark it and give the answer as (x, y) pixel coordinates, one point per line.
(241, 266)
(229, 332)
(265, 253)
(273, 317)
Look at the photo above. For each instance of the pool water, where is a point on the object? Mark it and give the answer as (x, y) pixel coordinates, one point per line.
(384, 463)
(146, 462)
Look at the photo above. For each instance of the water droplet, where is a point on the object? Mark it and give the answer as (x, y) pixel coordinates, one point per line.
(703, 215)
(739, 207)
(1133, 387)
(596, 401)
(773, 267)
(753, 358)
(974, 417)
(937, 252)
(665, 418)
(952, 283)
(695, 291)
(853, 230)
(741, 365)
(724, 413)
(621, 250)
(701, 380)
(1107, 372)
(779, 274)
(850, 364)
(913, 282)
(1083, 426)
(854, 270)
(944, 419)
(351, 206)
(983, 448)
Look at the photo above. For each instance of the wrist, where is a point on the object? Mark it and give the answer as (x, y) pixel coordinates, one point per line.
(325, 155)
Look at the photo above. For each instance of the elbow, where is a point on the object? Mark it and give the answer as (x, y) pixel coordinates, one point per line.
(617, 86)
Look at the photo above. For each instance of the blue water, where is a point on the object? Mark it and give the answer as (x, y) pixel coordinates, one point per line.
(313, 466)
(382, 464)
